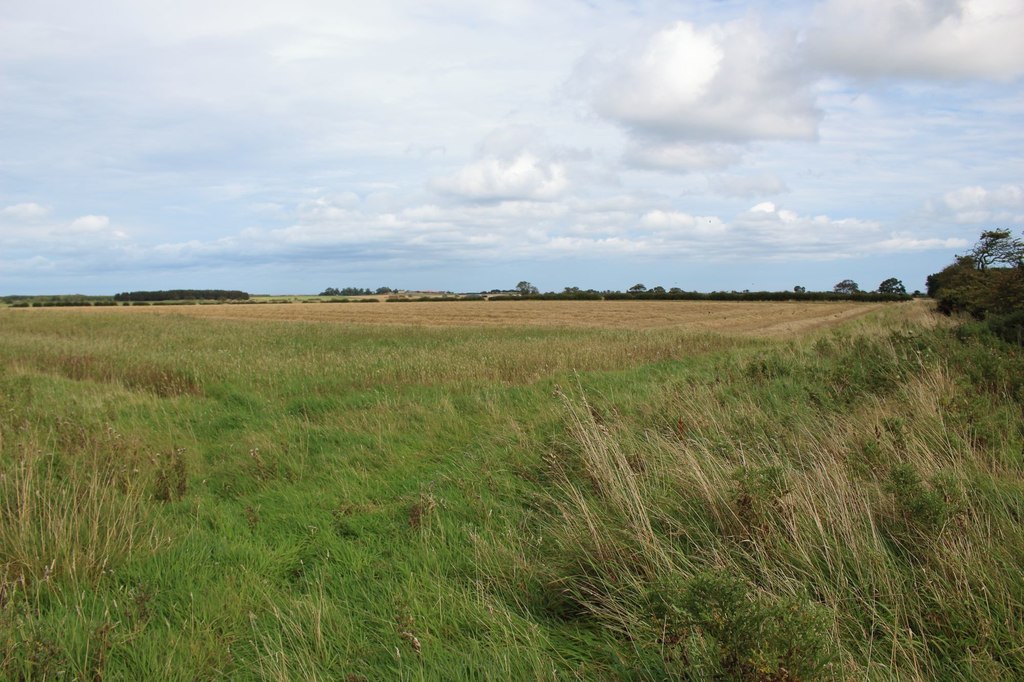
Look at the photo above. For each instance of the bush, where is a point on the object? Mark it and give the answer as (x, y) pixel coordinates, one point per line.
(919, 510)
(722, 628)
(972, 285)
(1009, 328)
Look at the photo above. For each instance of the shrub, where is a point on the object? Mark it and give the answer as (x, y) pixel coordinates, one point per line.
(722, 628)
(1009, 328)
(757, 495)
(920, 510)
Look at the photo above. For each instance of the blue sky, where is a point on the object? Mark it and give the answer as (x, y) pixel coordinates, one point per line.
(287, 147)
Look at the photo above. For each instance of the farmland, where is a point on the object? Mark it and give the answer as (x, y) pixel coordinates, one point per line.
(756, 318)
(509, 490)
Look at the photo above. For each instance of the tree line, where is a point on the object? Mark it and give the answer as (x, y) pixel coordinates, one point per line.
(891, 289)
(183, 295)
(356, 291)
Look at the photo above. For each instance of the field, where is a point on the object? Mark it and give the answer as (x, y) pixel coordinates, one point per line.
(520, 490)
(757, 318)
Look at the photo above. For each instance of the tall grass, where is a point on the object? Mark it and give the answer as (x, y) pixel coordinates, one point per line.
(184, 498)
(826, 522)
(66, 526)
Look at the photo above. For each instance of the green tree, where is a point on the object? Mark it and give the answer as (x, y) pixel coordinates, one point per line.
(892, 286)
(526, 289)
(998, 246)
(973, 284)
(637, 289)
(847, 286)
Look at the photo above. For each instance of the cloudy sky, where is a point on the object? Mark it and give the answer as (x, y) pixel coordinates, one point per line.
(455, 144)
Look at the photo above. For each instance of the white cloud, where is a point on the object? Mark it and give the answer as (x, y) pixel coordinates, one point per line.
(33, 265)
(774, 233)
(682, 224)
(656, 154)
(411, 234)
(976, 204)
(920, 38)
(522, 177)
(770, 232)
(669, 74)
(34, 228)
(541, 230)
(746, 185)
(728, 82)
(684, 93)
(26, 211)
(512, 163)
(900, 243)
(90, 223)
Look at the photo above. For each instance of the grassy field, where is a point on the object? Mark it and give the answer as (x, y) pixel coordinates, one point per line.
(530, 490)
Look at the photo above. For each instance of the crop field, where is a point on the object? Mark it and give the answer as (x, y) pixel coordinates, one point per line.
(749, 318)
(634, 490)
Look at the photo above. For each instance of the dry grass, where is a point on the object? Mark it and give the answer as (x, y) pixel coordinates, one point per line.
(67, 524)
(810, 511)
(757, 318)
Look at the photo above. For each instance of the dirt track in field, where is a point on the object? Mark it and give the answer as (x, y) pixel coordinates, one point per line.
(760, 318)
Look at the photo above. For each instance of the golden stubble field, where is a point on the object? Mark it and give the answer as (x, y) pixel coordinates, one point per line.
(757, 318)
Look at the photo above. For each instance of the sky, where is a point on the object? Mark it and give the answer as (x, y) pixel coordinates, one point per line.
(462, 145)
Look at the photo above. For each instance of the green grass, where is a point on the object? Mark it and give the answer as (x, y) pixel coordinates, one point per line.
(184, 498)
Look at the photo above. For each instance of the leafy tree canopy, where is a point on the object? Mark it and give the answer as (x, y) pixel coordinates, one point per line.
(997, 247)
(847, 286)
(526, 289)
(892, 286)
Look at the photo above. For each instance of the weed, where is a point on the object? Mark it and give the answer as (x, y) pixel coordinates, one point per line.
(171, 481)
(757, 496)
(919, 505)
(252, 516)
(421, 511)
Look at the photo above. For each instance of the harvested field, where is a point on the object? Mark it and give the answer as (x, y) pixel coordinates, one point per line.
(757, 318)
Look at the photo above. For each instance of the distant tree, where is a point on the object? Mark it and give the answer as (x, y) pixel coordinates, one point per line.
(571, 290)
(526, 289)
(847, 286)
(637, 289)
(331, 291)
(384, 290)
(657, 290)
(892, 286)
(675, 290)
(998, 246)
(799, 289)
